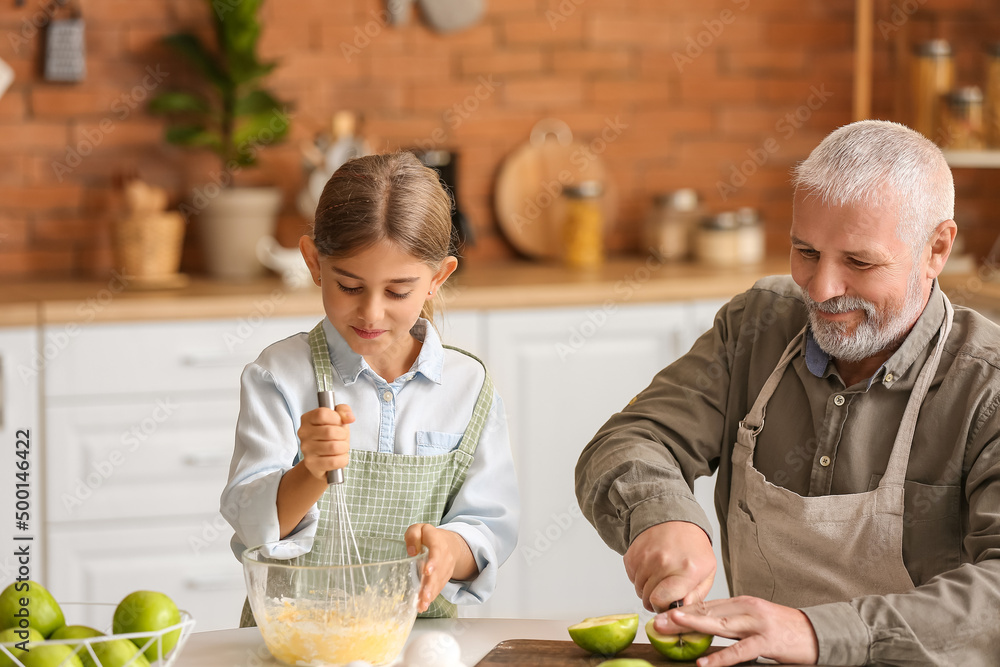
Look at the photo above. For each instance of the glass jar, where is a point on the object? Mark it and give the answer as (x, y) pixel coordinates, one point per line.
(962, 119)
(751, 232)
(991, 112)
(670, 224)
(730, 239)
(583, 229)
(933, 76)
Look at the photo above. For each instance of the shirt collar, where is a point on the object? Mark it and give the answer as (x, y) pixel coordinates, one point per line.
(430, 361)
(896, 366)
(917, 343)
(349, 364)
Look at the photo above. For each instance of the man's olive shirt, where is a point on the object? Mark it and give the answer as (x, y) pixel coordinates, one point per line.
(821, 438)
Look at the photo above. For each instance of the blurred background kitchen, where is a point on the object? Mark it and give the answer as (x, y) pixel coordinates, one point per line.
(620, 169)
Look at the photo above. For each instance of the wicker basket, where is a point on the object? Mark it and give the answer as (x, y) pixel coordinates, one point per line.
(149, 247)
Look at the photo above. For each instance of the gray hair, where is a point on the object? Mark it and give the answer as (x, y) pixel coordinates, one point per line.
(878, 163)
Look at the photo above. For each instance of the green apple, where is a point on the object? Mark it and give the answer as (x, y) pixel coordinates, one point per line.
(75, 632)
(680, 648)
(29, 601)
(147, 611)
(50, 655)
(12, 636)
(78, 632)
(605, 635)
(626, 662)
(117, 653)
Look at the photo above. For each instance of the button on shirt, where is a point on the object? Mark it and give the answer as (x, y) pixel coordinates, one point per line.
(822, 438)
(423, 412)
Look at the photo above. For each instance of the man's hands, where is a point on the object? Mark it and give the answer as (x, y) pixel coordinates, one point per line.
(325, 439)
(764, 629)
(448, 557)
(671, 561)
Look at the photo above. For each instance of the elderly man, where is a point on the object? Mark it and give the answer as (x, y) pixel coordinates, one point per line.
(852, 415)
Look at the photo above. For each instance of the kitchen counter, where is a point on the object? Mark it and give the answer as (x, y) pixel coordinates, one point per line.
(513, 284)
(244, 647)
(510, 284)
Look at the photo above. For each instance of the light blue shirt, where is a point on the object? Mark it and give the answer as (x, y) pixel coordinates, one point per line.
(423, 412)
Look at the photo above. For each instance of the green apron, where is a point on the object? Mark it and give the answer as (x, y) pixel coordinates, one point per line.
(387, 493)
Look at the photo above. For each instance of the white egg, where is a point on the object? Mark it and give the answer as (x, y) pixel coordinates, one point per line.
(433, 649)
(358, 663)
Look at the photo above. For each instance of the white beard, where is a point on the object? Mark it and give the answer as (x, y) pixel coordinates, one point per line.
(877, 331)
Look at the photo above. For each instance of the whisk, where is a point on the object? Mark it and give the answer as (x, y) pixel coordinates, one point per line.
(341, 547)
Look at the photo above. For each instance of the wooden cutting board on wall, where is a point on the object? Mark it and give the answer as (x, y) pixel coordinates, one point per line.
(528, 192)
(547, 653)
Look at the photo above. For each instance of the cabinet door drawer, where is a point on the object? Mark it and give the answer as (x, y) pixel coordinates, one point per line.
(158, 455)
(189, 561)
(157, 356)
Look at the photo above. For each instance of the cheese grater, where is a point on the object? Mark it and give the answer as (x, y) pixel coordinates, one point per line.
(65, 50)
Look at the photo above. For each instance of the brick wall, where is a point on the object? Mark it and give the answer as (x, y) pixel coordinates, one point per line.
(700, 88)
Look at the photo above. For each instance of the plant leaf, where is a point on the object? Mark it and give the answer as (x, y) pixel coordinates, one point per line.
(260, 130)
(239, 33)
(256, 102)
(194, 136)
(176, 102)
(190, 47)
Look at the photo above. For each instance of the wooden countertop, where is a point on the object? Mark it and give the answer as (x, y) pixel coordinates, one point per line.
(515, 284)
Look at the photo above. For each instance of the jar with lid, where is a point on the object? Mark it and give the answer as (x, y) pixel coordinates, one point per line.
(730, 239)
(670, 224)
(751, 241)
(962, 119)
(933, 76)
(583, 228)
(991, 112)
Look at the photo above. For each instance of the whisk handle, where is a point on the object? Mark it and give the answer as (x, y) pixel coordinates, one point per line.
(327, 400)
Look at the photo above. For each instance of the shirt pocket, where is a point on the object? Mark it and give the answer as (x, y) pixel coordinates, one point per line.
(431, 443)
(932, 528)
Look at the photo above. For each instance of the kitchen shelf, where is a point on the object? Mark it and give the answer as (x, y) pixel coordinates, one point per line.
(976, 159)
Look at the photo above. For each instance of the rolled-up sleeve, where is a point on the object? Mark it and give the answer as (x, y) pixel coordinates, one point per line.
(640, 467)
(486, 510)
(262, 454)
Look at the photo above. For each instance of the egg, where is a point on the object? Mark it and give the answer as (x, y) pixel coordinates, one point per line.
(433, 649)
(358, 663)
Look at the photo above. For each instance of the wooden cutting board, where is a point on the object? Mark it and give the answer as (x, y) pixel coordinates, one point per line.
(548, 653)
(528, 192)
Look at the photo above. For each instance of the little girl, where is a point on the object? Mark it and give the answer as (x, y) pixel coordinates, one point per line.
(418, 427)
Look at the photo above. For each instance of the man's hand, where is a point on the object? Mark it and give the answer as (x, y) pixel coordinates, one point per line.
(764, 630)
(671, 561)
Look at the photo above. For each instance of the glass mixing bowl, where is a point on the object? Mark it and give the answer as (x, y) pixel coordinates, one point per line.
(332, 615)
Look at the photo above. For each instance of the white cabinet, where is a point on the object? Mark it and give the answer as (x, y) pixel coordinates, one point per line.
(20, 461)
(563, 373)
(189, 559)
(464, 329)
(140, 420)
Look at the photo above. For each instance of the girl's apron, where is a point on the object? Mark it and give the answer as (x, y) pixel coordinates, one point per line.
(802, 551)
(386, 493)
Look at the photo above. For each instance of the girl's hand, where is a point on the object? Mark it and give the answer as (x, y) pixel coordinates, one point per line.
(326, 439)
(448, 557)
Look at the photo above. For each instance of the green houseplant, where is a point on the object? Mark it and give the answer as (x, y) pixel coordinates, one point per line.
(230, 113)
